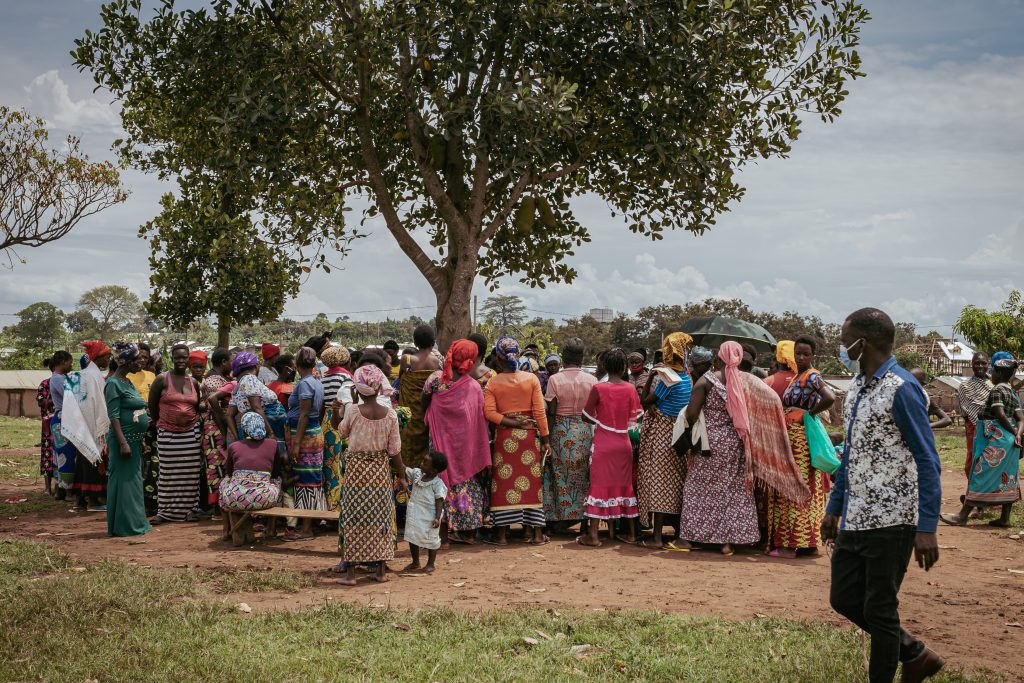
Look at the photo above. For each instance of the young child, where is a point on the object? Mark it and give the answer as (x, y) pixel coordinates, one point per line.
(426, 505)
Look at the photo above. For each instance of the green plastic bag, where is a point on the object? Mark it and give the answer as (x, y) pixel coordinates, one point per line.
(823, 453)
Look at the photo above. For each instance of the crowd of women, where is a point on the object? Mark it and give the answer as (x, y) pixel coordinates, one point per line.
(692, 450)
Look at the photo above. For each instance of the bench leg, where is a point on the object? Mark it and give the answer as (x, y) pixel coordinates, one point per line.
(238, 528)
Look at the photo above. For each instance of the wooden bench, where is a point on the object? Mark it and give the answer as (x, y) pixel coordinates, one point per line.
(238, 525)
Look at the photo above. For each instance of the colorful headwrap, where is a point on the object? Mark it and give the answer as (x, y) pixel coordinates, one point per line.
(335, 356)
(731, 354)
(461, 356)
(197, 357)
(507, 350)
(552, 357)
(370, 380)
(83, 362)
(635, 358)
(95, 349)
(998, 356)
(1006, 362)
(126, 351)
(253, 426)
(270, 351)
(785, 353)
(242, 361)
(700, 355)
(673, 350)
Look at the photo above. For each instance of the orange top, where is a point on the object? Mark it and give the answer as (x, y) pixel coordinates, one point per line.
(515, 392)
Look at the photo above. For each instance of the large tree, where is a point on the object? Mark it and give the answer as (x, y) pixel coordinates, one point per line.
(40, 326)
(504, 311)
(115, 308)
(45, 192)
(477, 121)
(206, 262)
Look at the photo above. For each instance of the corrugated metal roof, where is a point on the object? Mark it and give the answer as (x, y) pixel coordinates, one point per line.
(952, 381)
(22, 379)
(839, 384)
(957, 351)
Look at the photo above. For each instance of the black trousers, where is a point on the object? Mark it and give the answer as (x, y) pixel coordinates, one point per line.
(867, 570)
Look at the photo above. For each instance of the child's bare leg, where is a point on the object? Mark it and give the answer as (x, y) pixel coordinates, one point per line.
(431, 556)
(414, 550)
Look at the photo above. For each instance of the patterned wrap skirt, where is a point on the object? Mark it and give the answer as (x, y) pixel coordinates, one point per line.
(334, 448)
(249, 491)
(214, 452)
(65, 455)
(995, 468)
(661, 471)
(516, 475)
(466, 504)
(45, 447)
(309, 491)
(567, 472)
(796, 525)
(368, 533)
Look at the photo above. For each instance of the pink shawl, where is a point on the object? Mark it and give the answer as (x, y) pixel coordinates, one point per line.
(769, 456)
(731, 354)
(458, 429)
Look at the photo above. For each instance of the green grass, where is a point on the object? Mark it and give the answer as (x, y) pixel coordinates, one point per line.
(952, 448)
(117, 622)
(19, 432)
(28, 557)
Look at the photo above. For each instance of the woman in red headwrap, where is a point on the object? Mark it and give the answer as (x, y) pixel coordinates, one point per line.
(454, 413)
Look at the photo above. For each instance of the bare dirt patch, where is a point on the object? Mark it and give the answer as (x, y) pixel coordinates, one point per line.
(968, 607)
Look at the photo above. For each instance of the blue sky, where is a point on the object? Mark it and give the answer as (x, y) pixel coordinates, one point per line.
(911, 201)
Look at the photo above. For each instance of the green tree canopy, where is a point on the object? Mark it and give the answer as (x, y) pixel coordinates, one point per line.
(40, 326)
(115, 309)
(204, 262)
(992, 331)
(474, 121)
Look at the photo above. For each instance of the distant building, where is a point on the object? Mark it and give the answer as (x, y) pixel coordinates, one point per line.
(602, 315)
(944, 356)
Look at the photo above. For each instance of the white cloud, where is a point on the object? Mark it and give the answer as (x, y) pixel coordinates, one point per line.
(49, 97)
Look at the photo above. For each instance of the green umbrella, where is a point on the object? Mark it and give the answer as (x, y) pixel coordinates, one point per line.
(712, 331)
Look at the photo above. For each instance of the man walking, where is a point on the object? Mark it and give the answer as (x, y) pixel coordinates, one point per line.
(888, 493)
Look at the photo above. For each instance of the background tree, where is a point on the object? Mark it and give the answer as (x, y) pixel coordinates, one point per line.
(40, 327)
(504, 312)
(478, 121)
(206, 262)
(44, 193)
(115, 308)
(992, 331)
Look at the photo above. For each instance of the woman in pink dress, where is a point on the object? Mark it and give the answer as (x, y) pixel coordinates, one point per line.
(612, 408)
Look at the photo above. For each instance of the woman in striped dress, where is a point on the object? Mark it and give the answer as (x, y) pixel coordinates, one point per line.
(174, 407)
(336, 379)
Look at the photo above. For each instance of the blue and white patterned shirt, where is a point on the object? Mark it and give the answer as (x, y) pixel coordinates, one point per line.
(890, 470)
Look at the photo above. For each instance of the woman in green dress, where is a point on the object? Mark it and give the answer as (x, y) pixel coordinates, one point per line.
(126, 508)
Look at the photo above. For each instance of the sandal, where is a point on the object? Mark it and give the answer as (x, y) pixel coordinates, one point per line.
(623, 539)
(999, 523)
(952, 520)
(579, 541)
(727, 550)
(672, 547)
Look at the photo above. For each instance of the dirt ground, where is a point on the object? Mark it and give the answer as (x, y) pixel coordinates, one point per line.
(970, 607)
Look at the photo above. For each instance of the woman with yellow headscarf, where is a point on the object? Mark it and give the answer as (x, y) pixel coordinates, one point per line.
(660, 470)
(784, 369)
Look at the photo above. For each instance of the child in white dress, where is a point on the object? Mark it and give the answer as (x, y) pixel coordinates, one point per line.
(427, 494)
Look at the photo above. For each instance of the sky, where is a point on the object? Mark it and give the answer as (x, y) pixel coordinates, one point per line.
(911, 201)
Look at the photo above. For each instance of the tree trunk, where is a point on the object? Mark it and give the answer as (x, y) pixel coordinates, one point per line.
(224, 331)
(454, 303)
